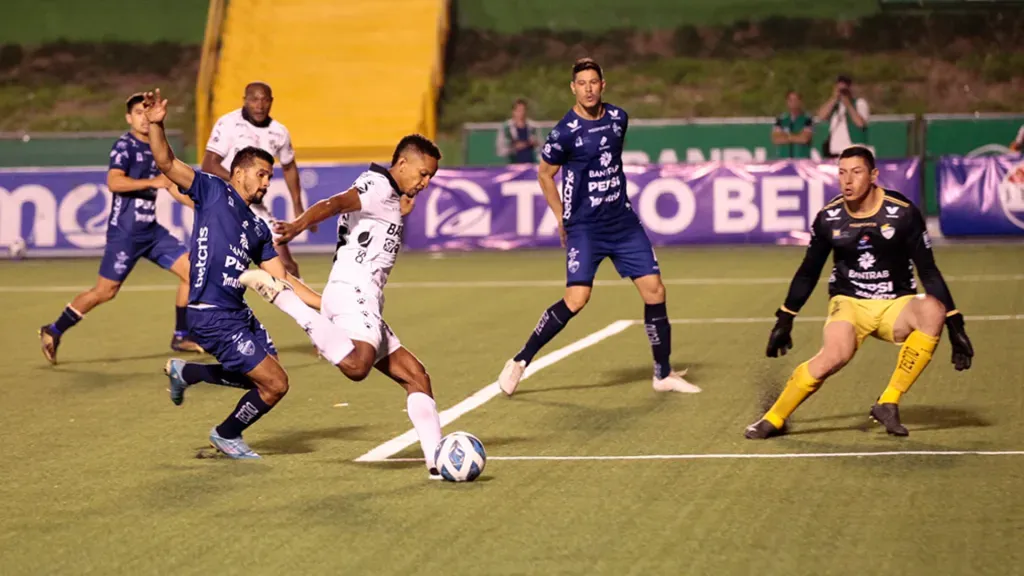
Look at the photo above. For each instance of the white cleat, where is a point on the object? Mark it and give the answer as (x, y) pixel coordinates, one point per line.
(510, 376)
(263, 284)
(675, 382)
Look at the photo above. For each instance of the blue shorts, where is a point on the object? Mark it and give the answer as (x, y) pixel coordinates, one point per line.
(627, 245)
(122, 253)
(234, 337)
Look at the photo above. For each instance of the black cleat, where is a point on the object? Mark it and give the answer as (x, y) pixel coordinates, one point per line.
(183, 344)
(761, 430)
(49, 341)
(888, 415)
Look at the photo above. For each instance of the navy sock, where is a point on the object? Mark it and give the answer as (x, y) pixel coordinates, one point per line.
(194, 372)
(550, 324)
(180, 324)
(249, 409)
(66, 320)
(659, 332)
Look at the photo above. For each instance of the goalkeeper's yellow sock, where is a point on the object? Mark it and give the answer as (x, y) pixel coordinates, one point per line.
(800, 385)
(915, 355)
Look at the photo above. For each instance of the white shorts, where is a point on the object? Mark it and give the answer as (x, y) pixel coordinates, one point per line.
(358, 311)
(263, 213)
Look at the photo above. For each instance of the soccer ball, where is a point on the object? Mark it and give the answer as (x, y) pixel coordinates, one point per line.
(16, 250)
(460, 457)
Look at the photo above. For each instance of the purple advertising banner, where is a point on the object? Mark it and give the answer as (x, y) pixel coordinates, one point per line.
(983, 195)
(64, 212)
(503, 208)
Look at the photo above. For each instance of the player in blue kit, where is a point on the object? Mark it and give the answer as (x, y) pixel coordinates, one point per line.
(132, 233)
(226, 237)
(596, 222)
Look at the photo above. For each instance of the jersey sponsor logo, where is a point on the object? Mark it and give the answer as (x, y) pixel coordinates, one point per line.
(604, 185)
(874, 290)
(568, 185)
(244, 241)
(613, 113)
(872, 275)
(604, 173)
(863, 225)
(579, 142)
(866, 261)
(604, 142)
(598, 129)
(230, 281)
(864, 243)
(892, 211)
(1011, 195)
(596, 201)
(460, 209)
(833, 214)
(606, 159)
(573, 126)
(887, 231)
(239, 264)
(202, 254)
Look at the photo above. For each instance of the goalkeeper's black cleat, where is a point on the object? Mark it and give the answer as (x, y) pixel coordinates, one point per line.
(888, 415)
(761, 430)
(49, 340)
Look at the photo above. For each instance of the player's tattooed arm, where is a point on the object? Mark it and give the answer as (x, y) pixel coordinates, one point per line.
(347, 201)
(176, 170)
(546, 177)
(118, 182)
(275, 268)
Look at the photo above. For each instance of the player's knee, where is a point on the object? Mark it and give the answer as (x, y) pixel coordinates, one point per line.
(106, 292)
(834, 358)
(276, 387)
(654, 294)
(355, 369)
(931, 315)
(575, 300)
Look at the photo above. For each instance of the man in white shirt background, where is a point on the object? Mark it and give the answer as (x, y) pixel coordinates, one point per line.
(847, 117)
(251, 125)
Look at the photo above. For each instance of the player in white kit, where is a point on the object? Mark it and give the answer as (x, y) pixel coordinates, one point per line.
(251, 125)
(350, 331)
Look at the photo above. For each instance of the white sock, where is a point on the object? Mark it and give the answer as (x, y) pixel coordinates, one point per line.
(423, 413)
(329, 339)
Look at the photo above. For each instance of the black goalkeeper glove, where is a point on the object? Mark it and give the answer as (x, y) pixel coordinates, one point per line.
(780, 341)
(963, 352)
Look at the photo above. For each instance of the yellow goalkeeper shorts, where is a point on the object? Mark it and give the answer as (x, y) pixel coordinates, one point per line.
(869, 317)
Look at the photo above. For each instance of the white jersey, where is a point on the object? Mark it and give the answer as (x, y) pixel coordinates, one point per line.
(232, 132)
(369, 239)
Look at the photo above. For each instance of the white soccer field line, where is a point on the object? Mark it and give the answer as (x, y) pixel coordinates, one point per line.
(399, 443)
(741, 456)
(754, 281)
(384, 452)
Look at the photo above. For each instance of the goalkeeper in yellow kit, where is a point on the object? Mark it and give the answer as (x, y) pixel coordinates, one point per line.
(877, 237)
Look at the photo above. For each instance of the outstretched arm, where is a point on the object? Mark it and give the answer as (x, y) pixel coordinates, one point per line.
(347, 201)
(179, 172)
(275, 268)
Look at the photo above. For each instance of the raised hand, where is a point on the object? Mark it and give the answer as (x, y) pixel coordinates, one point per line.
(155, 105)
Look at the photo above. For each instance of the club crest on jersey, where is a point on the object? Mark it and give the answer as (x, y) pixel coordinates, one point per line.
(887, 231)
(617, 128)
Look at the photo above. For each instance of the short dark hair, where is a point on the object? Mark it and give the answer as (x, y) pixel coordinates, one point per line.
(586, 64)
(860, 152)
(519, 101)
(137, 98)
(420, 143)
(246, 156)
(846, 78)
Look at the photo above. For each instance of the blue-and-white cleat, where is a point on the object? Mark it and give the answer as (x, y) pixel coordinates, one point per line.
(173, 371)
(234, 448)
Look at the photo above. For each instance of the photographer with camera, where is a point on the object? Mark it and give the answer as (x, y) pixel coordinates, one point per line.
(847, 118)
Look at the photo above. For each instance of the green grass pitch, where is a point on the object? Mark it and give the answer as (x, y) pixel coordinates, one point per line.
(100, 474)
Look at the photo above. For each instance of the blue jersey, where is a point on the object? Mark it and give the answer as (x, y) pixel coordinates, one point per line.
(133, 213)
(226, 237)
(590, 154)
